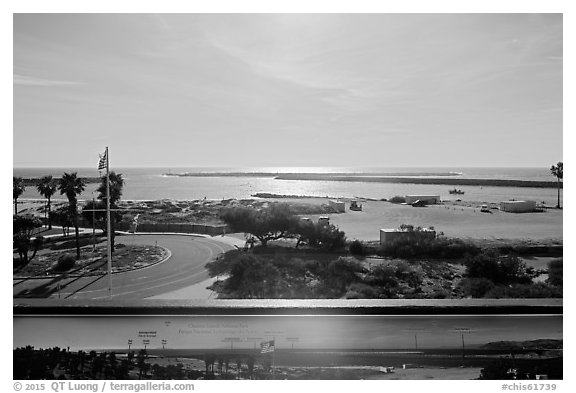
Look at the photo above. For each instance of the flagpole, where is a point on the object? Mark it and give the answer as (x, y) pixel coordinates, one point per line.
(108, 224)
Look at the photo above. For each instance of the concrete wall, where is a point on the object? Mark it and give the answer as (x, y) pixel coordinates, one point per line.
(183, 228)
(518, 206)
(212, 230)
(388, 235)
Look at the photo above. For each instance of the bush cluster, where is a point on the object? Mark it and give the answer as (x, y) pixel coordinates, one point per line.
(357, 248)
(555, 272)
(271, 273)
(491, 275)
(65, 262)
(397, 199)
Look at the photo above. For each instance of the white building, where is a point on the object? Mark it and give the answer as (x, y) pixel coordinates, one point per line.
(518, 206)
(429, 199)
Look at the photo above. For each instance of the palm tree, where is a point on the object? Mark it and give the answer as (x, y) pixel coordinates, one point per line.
(17, 190)
(558, 171)
(71, 185)
(116, 182)
(47, 187)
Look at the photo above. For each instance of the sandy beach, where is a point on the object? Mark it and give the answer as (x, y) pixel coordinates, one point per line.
(423, 373)
(463, 220)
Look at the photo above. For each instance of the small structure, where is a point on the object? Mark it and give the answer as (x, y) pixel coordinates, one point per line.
(518, 206)
(388, 235)
(339, 207)
(429, 199)
(354, 205)
(386, 370)
(324, 220)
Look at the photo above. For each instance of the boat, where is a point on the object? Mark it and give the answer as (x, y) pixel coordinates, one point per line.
(456, 191)
(354, 205)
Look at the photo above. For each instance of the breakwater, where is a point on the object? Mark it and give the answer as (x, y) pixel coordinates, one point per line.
(422, 180)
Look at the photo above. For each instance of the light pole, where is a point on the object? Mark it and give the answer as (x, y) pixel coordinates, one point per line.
(462, 331)
(292, 340)
(416, 331)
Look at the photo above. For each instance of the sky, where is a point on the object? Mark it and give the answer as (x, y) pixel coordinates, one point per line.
(233, 90)
(322, 332)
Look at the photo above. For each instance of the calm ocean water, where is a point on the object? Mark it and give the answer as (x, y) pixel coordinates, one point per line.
(150, 184)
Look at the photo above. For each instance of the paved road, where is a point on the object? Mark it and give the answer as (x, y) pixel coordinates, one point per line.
(183, 268)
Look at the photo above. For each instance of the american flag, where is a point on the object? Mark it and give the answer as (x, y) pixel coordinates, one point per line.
(267, 346)
(102, 162)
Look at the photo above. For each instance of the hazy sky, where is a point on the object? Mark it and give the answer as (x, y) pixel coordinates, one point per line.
(312, 331)
(288, 89)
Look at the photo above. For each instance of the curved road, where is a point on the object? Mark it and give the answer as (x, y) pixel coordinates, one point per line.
(183, 268)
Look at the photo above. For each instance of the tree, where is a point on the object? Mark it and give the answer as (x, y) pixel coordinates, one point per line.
(271, 223)
(47, 187)
(71, 185)
(17, 190)
(322, 235)
(116, 184)
(558, 171)
(61, 216)
(23, 228)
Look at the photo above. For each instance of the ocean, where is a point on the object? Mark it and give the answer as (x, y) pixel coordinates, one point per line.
(153, 184)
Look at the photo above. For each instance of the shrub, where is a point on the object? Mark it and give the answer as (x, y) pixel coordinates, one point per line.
(357, 248)
(397, 199)
(361, 291)
(439, 293)
(326, 236)
(498, 269)
(475, 287)
(555, 272)
(383, 276)
(525, 291)
(65, 262)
